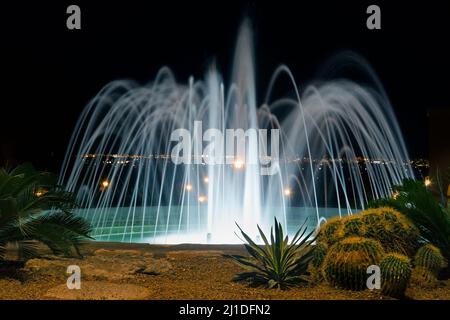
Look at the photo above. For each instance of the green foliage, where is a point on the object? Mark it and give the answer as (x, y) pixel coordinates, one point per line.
(430, 258)
(393, 230)
(278, 263)
(347, 261)
(415, 201)
(395, 274)
(33, 208)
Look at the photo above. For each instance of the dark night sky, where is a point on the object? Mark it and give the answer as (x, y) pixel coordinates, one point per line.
(48, 73)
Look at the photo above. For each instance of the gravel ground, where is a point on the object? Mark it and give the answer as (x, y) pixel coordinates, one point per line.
(196, 272)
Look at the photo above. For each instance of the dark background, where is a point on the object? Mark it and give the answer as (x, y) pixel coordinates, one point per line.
(49, 73)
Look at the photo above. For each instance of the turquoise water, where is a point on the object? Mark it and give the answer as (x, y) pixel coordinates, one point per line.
(185, 224)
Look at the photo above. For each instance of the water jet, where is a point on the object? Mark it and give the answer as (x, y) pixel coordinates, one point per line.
(340, 146)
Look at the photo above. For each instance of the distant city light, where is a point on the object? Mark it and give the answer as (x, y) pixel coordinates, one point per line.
(206, 179)
(418, 164)
(201, 199)
(188, 187)
(395, 195)
(427, 181)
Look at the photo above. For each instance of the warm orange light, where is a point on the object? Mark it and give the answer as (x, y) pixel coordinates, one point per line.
(238, 164)
(395, 195)
(105, 184)
(427, 181)
(287, 192)
(206, 179)
(202, 199)
(188, 187)
(40, 192)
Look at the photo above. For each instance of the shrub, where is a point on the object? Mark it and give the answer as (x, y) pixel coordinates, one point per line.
(347, 261)
(395, 274)
(279, 263)
(430, 258)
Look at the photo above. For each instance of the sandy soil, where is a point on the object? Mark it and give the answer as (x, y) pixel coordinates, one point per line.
(139, 271)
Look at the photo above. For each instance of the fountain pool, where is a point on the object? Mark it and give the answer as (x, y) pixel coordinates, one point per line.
(338, 145)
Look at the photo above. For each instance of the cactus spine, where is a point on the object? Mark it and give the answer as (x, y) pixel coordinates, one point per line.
(395, 274)
(318, 254)
(346, 263)
(430, 258)
(329, 232)
(386, 225)
(318, 257)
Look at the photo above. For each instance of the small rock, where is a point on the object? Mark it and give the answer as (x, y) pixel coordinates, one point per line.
(104, 265)
(155, 267)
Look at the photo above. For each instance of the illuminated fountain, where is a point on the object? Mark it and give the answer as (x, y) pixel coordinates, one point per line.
(339, 147)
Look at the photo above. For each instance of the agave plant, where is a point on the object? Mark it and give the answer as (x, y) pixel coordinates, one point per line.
(278, 264)
(34, 209)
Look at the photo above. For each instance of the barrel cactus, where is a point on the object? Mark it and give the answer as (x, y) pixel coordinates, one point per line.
(394, 231)
(430, 258)
(395, 274)
(330, 232)
(347, 261)
(423, 277)
(318, 256)
(386, 225)
(353, 226)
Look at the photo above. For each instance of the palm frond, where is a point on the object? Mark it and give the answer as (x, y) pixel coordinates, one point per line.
(27, 215)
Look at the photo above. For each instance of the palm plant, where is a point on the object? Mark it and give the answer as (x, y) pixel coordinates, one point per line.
(279, 263)
(413, 199)
(34, 209)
